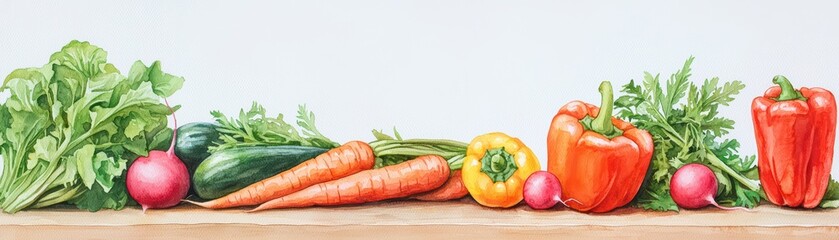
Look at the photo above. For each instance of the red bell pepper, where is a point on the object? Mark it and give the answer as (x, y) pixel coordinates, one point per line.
(795, 132)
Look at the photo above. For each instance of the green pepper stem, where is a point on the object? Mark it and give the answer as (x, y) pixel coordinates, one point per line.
(788, 92)
(603, 123)
(498, 164)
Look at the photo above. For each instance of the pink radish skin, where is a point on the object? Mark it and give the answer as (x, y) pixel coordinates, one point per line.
(695, 186)
(542, 190)
(159, 180)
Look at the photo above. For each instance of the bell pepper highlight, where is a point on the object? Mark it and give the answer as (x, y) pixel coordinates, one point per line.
(795, 132)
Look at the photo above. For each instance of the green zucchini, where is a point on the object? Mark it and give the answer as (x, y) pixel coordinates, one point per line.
(230, 170)
(193, 142)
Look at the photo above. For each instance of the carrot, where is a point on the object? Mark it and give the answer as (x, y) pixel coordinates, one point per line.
(348, 159)
(422, 174)
(451, 190)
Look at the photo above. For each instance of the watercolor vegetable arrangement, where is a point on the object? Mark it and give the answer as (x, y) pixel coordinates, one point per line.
(72, 127)
(336, 164)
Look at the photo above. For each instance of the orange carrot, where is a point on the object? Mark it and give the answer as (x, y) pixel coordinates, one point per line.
(451, 190)
(422, 174)
(348, 159)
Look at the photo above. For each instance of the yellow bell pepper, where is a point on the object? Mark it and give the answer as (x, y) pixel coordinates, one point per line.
(495, 168)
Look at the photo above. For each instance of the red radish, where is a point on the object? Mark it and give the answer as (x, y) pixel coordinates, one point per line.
(542, 190)
(695, 186)
(159, 180)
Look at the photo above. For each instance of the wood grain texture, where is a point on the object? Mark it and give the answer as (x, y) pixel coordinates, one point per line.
(417, 220)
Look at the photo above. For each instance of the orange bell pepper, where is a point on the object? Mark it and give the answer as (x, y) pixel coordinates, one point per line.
(795, 132)
(600, 161)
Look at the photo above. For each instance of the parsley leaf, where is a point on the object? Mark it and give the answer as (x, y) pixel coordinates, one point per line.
(831, 196)
(683, 119)
(255, 128)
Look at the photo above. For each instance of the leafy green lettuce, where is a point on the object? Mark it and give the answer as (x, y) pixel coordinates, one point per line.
(69, 129)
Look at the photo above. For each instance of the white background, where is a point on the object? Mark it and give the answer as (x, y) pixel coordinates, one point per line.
(434, 69)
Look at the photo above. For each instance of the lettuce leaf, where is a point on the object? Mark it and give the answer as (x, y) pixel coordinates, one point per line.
(71, 127)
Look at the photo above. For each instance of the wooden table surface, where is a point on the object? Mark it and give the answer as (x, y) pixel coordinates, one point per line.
(418, 220)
